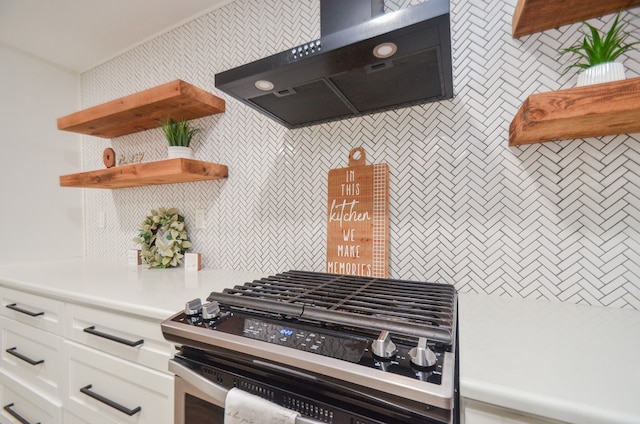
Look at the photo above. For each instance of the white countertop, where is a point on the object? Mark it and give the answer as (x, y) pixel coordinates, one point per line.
(567, 362)
(572, 363)
(154, 293)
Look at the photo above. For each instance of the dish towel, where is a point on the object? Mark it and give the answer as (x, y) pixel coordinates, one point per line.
(244, 408)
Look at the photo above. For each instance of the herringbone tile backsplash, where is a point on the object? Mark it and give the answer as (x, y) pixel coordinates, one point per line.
(557, 220)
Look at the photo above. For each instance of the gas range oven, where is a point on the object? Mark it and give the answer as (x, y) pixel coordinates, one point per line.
(335, 348)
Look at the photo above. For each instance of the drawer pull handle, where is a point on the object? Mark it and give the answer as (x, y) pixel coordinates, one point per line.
(109, 402)
(92, 330)
(15, 415)
(15, 307)
(13, 352)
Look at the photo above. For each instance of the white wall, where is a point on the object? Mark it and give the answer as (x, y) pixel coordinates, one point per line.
(39, 219)
(554, 220)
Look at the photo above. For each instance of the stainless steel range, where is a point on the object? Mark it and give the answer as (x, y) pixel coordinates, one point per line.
(337, 349)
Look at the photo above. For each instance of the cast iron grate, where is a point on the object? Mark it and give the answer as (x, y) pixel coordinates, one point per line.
(410, 308)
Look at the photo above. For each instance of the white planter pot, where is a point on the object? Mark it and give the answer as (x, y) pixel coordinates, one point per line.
(605, 72)
(175, 152)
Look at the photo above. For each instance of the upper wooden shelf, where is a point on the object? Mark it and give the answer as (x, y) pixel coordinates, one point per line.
(143, 111)
(589, 111)
(533, 16)
(149, 173)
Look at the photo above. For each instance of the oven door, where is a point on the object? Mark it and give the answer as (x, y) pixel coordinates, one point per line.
(199, 400)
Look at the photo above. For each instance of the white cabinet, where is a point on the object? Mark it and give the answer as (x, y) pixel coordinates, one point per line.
(104, 389)
(132, 338)
(36, 311)
(31, 366)
(32, 355)
(69, 418)
(21, 404)
(64, 362)
(482, 413)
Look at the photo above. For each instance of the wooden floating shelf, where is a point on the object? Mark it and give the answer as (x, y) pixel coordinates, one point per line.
(143, 111)
(589, 111)
(150, 173)
(533, 16)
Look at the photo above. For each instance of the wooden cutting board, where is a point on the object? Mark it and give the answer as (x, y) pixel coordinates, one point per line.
(358, 218)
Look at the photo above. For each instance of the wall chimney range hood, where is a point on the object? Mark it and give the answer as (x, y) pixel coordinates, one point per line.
(365, 61)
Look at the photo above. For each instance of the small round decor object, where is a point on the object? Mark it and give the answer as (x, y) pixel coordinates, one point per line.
(163, 238)
(109, 157)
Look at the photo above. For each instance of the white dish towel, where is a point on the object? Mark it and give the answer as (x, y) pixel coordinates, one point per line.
(244, 408)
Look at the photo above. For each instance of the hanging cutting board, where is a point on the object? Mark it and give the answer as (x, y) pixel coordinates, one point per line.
(358, 218)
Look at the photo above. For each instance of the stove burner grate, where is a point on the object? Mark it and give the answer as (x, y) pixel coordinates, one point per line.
(404, 307)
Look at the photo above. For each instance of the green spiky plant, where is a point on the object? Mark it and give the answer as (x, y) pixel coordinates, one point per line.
(178, 133)
(596, 49)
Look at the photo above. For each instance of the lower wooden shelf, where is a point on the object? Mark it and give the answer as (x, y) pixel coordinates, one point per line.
(150, 173)
(590, 111)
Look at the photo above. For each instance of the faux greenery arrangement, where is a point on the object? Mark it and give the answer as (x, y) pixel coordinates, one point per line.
(596, 49)
(163, 238)
(178, 133)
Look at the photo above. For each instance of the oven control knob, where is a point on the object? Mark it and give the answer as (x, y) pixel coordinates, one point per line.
(211, 310)
(193, 307)
(383, 347)
(421, 355)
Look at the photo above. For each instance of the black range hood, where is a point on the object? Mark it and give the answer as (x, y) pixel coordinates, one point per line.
(338, 76)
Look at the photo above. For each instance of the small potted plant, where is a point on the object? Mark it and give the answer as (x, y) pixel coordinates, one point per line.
(179, 134)
(597, 54)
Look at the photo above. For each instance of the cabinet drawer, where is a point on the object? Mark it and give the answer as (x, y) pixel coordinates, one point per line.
(19, 400)
(126, 336)
(32, 355)
(72, 419)
(123, 387)
(36, 311)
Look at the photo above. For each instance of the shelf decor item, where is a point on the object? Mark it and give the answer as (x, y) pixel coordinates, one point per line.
(358, 218)
(597, 54)
(179, 135)
(163, 238)
(109, 157)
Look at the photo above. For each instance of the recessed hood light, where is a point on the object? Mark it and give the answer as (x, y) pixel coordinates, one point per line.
(385, 50)
(264, 85)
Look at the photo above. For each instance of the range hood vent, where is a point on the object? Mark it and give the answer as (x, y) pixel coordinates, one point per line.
(364, 62)
(336, 15)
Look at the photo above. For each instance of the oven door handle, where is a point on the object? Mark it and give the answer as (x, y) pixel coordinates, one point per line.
(197, 381)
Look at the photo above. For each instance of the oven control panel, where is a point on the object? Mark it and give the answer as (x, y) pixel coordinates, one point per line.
(309, 340)
(307, 337)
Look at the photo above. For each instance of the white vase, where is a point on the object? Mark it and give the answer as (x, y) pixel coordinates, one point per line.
(604, 72)
(175, 152)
